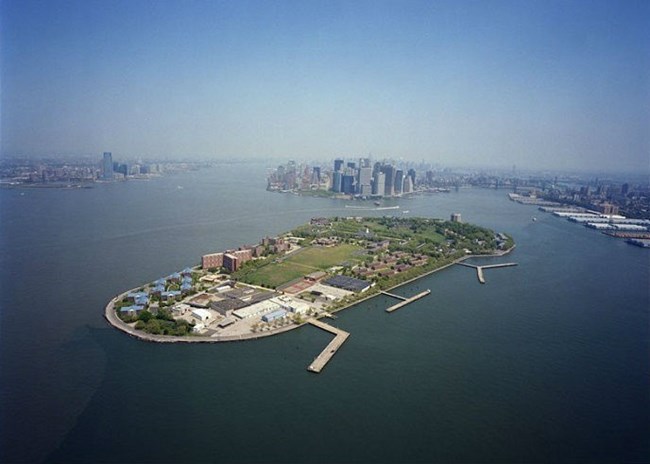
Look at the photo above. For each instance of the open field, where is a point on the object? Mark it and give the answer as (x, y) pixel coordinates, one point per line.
(299, 264)
(324, 257)
(275, 274)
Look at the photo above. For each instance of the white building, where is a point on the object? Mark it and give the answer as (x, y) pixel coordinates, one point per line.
(201, 314)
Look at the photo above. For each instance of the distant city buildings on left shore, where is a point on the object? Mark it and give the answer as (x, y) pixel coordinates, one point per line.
(83, 171)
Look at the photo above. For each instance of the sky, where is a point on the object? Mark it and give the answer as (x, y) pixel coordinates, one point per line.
(539, 84)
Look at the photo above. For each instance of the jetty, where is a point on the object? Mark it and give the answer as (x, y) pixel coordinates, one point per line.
(323, 358)
(479, 269)
(403, 298)
(406, 300)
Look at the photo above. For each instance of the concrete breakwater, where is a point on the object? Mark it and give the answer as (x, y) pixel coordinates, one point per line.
(479, 269)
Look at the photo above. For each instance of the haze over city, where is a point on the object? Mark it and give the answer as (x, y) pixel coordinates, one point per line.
(560, 85)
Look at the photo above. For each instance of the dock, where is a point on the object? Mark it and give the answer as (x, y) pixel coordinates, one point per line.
(403, 298)
(323, 358)
(479, 269)
(407, 301)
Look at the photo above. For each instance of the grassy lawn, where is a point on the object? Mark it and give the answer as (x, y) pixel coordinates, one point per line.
(300, 264)
(274, 275)
(323, 258)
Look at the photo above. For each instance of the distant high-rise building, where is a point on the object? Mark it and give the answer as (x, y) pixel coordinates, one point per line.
(107, 166)
(408, 187)
(412, 176)
(315, 175)
(379, 183)
(347, 184)
(399, 180)
(389, 183)
(625, 189)
(455, 217)
(365, 177)
(364, 162)
(352, 165)
(338, 164)
(336, 181)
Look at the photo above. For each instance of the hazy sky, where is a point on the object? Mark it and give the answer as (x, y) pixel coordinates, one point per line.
(535, 83)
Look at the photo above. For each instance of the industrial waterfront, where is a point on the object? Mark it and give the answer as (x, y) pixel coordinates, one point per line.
(510, 371)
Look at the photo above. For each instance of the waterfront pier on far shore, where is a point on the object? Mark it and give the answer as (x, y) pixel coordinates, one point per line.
(479, 269)
(405, 300)
(323, 358)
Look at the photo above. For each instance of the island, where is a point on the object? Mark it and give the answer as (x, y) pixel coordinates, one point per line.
(303, 275)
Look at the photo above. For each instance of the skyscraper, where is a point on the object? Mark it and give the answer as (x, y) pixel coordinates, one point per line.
(365, 176)
(338, 163)
(336, 181)
(412, 176)
(107, 166)
(399, 180)
(389, 171)
(378, 183)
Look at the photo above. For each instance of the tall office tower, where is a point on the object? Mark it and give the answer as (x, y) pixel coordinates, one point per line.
(389, 183)
(408, 187)
(376, 168)
(399, 180)
(315, 175)
(336, 181)
(365, 176)
(378, 183)
(338, 164)
(412, 176)
(352, 165)
(429, 178)
(347, 184)
(107, 166)
(364, 162)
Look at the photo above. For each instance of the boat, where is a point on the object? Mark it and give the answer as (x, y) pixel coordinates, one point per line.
(534, 219)
(378, 203)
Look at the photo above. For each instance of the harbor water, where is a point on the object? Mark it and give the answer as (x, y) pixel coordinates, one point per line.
(546, 362)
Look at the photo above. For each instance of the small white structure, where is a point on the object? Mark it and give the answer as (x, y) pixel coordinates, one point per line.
(201, 314)
(198, 327)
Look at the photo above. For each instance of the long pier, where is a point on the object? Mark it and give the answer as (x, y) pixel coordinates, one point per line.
(323, 358)
(403, 298)
(479, 269)
(407, 301)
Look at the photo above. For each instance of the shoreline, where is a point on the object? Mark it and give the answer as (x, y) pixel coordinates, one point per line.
(112, 318)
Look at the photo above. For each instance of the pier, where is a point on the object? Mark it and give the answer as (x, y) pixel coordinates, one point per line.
(407, 301)
(479, 269)
(322, 359)
(403, 298)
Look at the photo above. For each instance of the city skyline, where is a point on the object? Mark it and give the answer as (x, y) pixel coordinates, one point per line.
(546, 86)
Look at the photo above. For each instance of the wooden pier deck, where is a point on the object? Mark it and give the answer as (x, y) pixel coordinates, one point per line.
(323, 358)
(407, 301)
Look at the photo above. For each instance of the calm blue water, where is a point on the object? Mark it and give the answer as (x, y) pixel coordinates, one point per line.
(547, 362)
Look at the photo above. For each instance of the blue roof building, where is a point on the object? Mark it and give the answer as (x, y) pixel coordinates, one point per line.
(135, 309)
(162, 282)
(175, 276)
(186, 272)
(141, 300)
(170, 294)
(187, 280)
(135, 295)
(272, 316)
(158, 289)
(186, 287)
